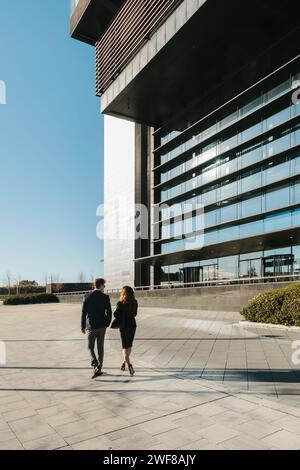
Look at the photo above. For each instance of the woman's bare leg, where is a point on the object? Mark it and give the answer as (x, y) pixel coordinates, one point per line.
(124, 355)
(130, 367)
(127, 355)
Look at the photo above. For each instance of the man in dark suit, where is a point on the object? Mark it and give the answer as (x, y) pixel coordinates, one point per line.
(95, 318)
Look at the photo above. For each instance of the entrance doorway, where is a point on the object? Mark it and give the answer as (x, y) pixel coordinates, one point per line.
(191, 274)
(278, 265)
(199, 273)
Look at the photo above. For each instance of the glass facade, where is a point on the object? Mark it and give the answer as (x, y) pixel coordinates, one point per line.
(277, 262)
(232, 176)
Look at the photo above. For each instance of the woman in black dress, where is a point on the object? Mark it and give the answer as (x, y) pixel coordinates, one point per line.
(126, 312)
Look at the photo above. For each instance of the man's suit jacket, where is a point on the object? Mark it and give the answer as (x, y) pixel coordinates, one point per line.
(96, 311)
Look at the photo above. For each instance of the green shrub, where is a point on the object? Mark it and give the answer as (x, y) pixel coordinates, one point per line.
(31, 299)
(280, 306)
(291, 305)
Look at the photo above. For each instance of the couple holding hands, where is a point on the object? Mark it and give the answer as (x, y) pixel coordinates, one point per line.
(96, 318)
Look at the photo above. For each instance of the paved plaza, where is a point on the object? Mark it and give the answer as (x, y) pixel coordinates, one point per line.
(203, 381)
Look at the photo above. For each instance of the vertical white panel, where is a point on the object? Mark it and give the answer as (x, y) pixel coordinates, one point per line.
(119, 195)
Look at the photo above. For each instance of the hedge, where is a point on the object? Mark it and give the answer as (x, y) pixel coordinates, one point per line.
(280, 307)
(31, 299)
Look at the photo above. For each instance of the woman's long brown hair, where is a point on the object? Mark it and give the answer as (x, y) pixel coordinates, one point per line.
(127, 295)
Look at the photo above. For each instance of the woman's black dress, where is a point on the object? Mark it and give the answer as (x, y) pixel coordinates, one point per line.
(127, 313)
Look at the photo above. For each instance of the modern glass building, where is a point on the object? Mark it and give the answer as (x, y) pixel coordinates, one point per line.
(209, 91)
(242, 164)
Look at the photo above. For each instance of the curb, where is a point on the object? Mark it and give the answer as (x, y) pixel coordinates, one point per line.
(268, 325)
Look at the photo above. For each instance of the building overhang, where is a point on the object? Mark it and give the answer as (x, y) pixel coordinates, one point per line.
(234, 247)
(215, 44)
(90, 18)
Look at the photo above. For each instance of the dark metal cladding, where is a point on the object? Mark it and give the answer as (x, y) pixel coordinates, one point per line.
(130, 29)
(91, 17)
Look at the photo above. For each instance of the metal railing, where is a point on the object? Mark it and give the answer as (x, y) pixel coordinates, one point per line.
(209, 283)
(133, 26)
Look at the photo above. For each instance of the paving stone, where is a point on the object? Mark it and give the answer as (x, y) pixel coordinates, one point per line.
(193, 421)
(257, 429)
(30, 428)
(289, 423)
(4, 426)
(83, 436)
(52, 410)
(73, 428)
(98, 443)
(111, 424)
(45, 443)
(136, 443)
(238, 405)
(62, 418)
(245, 442)
(210, 409)
(265, 414)
(177, 437)
(158, 426)
(11, 444)
(124, 433)
(284, 440)
(202, 444)
(230, 417)
(6, 435)
(12, 406)
(18, 414)
(218, 433)
(98, 414)
(177, 398)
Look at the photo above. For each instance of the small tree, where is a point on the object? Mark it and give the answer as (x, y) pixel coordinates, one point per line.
(8, 280)
(28, 286)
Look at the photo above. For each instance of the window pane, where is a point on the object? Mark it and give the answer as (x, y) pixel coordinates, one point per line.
(228, 267)
(278, 145)
(210, 218)
(228, 234)
(229, 120)
(251, 157)
(251, 132)
(279, 198)
(228, 213)
(229, 190)
(277, 172)
(278, 90)
(251, 229)
(251, 206)
(249, 107)
(209, 198)
(296, 253)
(251, 182)
(244, 268)
(278, 118)
(297, 193)
(228, 167)
(296, 217)
(228, 144)
(278, 221)
(165, 231)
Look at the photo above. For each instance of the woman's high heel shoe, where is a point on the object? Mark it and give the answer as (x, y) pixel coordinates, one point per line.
(123, 366)
(131, 369)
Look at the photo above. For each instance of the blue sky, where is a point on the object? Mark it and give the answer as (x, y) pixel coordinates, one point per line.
(51, 145)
